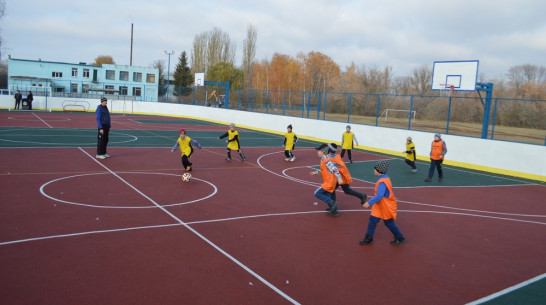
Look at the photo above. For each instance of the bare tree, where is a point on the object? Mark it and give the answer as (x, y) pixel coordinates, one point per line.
(199, 52)
(249, 53)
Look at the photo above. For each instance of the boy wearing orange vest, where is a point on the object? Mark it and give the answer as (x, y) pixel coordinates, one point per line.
(384, 206)
(437, 152)
(330, 176)
(345, 175)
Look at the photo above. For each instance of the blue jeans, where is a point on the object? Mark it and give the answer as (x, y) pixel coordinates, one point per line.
(325, 196)
(388, 222)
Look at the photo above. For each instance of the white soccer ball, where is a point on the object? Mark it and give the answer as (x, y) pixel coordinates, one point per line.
(186, 177)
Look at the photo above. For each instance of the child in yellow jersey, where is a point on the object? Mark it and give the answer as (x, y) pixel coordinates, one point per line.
(347, 139)
(410, 154)
(384, 206)
(233, 142)
(290, 140)
(185, 144)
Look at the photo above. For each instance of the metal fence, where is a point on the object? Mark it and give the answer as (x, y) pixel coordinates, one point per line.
(517, 120)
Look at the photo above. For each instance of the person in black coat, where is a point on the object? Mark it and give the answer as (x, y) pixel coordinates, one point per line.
(30, 98)
(18, 97)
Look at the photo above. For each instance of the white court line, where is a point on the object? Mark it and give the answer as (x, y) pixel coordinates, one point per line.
(508, 290)
(233, 259)
(257, 216)
(42, 120)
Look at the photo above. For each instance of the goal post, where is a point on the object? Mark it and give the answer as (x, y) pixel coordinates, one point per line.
(397, 112)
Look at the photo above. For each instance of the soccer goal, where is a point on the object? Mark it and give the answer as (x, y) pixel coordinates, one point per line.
(398, 113)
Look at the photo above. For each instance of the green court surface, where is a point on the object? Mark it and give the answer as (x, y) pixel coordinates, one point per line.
(401, 176)
(524, 294)
(62, 137)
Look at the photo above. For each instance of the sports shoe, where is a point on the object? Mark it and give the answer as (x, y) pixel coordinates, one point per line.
(100, 157)
(398, 241)
(293, 159)
(228, 159)
(107, 156)
(413, 170)
(188, 168)
(428, 179)
(334, 214)
(243, 159)
(363, 199)
(350, 160)
(366, 241)
(287, 159)
(440, 179)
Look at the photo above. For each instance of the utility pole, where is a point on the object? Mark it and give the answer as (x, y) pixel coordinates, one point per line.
(168, 72)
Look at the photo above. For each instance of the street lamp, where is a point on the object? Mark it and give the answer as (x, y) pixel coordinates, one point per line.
(168, 72)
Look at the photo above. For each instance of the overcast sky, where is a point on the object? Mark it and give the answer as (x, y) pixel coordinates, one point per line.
(397, 33)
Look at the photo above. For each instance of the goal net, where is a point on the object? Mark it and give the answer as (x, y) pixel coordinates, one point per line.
(398, 114)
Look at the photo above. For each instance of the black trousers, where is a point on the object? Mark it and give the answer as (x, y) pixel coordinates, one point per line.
(348, 153)
(102, 140)
(347, 190)
(186, 162)
(435, 164)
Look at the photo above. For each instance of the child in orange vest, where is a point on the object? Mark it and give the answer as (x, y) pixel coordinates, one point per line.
(383, 206)
(330, 176)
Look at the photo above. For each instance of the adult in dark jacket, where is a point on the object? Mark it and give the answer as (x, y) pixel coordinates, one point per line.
(18, 97)
(30, 98)
(103, 123)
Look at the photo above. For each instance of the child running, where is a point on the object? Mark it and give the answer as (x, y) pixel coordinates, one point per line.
(345, 175)
(384, 206)
(410, 154)
(233, 142)
(330, 176)
(290, 140)
(185, 144)
(347, 139)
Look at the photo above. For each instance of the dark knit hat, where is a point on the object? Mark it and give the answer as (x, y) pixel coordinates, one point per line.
(382, 166)
(103, 99)
(438, 135)
(323, 147)
(332, 147)
(289, 126)
(348, 126)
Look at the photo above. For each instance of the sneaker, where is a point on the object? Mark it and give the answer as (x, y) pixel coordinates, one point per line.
(350, 160)
(334, 214)
(363, 199)
(287, 159)
(398, 241)
(243, 159)
(188, 168)
(228, 159)
(366, 241)
(100, 157)
(413, 170)
(293, 159)
(428, 179)
(440, 179)
(107, 156)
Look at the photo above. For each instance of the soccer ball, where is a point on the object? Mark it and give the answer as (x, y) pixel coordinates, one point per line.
(186, 177)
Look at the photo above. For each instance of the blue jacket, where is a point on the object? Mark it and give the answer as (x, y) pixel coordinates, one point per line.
(103, 116)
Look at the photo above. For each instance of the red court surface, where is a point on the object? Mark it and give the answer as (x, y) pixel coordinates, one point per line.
(127, 230)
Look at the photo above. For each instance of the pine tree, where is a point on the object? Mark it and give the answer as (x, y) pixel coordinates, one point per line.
(183, 77)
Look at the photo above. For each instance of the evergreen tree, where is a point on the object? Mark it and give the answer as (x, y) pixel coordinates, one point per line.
(183, 77)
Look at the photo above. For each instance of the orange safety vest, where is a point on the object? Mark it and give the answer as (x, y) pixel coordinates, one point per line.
(345, 175)
(386, 207)
(329, 179)
(437, 149)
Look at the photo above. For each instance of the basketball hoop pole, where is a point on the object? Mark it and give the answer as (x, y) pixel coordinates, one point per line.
(488, 89)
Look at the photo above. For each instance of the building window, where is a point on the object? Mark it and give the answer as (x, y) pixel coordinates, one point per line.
(150, 78)
(74, 72)
(74, 88)
(122, 90)
(110, 74)
(108, 89)
(137, 91)
(85, 88)
(57, 74)
(124, 75)
(86, 73)
(137, 77)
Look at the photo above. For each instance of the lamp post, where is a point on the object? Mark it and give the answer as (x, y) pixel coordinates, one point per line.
(168, 72)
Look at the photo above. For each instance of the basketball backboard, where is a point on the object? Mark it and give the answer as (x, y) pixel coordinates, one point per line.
(199, 79)
(455, 75)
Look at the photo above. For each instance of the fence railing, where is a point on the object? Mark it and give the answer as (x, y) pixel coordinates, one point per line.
(517, 120)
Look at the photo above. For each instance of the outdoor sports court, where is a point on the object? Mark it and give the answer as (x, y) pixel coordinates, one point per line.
(127, 230)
